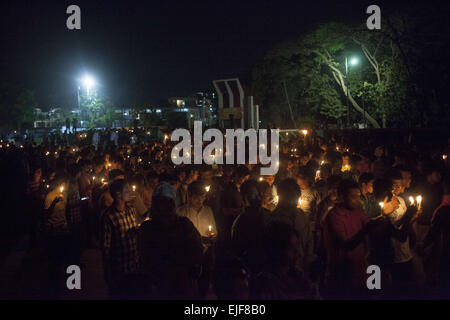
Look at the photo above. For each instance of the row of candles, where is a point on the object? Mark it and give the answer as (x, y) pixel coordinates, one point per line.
(412, 202)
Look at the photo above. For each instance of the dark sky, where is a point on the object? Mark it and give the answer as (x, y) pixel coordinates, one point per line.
(149, 50)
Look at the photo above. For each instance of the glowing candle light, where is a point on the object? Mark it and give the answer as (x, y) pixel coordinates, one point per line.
(207, 188)
(419, 202)
(322, 163)
(48, 186)
(381, 204)
(276, 199)
(305, 132)
(210, 228)
(299, 203)
(134, 188)
(317, 174)
(93, 177)
(261, 179)
(444, 156)
(61, 189)
(109, 165)
(411, 201)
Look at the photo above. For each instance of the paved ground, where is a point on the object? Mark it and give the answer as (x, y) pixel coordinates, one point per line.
(23, 274)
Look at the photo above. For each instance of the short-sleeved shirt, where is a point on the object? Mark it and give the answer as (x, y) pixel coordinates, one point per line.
(201, 219)
(119, 242)
(56, 220)
(350, 264)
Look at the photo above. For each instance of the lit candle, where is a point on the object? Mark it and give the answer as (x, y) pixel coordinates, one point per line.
(411, 201)
(299, 203)
(261, 179)
(48, 186)
(47, 153)
(317, 174)
(207, 188)
(444, 156)
(134, 188)
(93, 177)
(322, 162)
(305, 132)
(109, 165)
(276, 199)
(210, 228)
(61, 189)
(419, 202)
(381, 205)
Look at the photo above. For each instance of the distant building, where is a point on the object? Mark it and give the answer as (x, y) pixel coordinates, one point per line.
(50, 119)
(200, 106)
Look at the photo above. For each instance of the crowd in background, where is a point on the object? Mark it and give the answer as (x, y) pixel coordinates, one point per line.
(227, 232)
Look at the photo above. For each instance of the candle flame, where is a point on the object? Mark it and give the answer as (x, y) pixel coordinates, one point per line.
(419, 199)
(411, 200)
(381, 204)
(207, 188)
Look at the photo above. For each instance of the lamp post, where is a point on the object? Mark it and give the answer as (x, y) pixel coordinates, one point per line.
(353, 61)
(88, 82)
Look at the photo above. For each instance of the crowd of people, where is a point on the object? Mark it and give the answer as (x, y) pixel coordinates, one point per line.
(224, 231)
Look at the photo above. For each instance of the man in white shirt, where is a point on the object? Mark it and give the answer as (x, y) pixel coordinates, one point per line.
(200, 215)
(202, 218)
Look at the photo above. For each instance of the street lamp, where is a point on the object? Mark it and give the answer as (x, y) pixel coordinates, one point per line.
(353, 61)
(88, 82)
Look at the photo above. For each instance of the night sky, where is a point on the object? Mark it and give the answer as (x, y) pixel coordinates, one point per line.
(146, 51)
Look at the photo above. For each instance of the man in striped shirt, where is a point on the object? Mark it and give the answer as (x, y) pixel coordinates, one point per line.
(119, 241)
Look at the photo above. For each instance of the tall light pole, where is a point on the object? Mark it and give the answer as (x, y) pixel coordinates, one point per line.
(88, 82)
(353, 61)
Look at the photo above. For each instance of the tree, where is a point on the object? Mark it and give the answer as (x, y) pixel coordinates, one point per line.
(314, 66)
(17, 106)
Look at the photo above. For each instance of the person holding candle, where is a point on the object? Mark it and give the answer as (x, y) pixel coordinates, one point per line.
(56, 232)
(287, 212)
(248, 228)
(171, 248)
(119, 241)
(310, 198)
(200, 215)
(347, 226)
